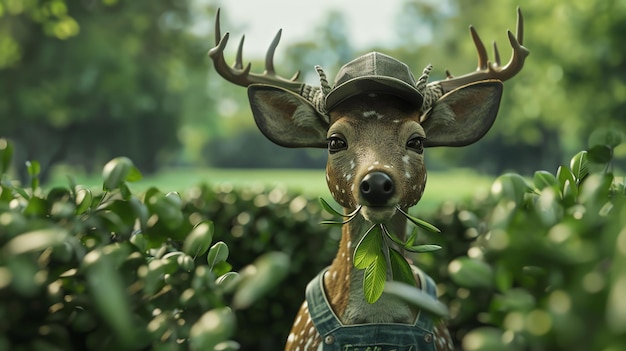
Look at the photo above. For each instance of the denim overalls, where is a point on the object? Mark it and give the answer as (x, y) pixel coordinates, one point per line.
(368, 337)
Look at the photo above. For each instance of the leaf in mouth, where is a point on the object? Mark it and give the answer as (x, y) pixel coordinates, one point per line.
(368, 248)
(328, 208)
(420, 223)
(400, 268)
(376, 255)
(374, 279)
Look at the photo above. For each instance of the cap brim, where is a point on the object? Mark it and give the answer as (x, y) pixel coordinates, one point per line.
(376, 85)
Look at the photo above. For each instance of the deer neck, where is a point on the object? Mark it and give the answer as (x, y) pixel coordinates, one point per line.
(344, 284)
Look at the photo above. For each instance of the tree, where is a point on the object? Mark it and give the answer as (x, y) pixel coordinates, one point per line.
(86, 81)
(572, 83)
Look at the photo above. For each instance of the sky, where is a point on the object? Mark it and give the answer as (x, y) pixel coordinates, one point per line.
(370, 22)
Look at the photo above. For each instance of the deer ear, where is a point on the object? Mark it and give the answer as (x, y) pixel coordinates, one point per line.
(464, 115)
(286, 118)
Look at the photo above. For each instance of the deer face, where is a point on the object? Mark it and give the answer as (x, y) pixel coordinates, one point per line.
(375, 155)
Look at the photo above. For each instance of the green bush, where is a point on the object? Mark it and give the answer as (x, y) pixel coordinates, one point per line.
(536, 265)
(114, 271)
(253, 221)
(540, 263)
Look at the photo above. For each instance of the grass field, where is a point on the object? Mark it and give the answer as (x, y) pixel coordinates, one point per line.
(451, 185)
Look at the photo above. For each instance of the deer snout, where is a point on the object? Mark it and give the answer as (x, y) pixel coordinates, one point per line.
(376, 189)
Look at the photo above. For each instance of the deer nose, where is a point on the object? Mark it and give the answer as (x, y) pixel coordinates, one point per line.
(376, 188)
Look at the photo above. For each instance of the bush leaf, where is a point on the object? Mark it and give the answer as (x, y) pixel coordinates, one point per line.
(579, 166)
(218, 253)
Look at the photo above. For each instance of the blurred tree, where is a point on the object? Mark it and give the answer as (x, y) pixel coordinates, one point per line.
(84, 81)
(330, 47)
(574, 80)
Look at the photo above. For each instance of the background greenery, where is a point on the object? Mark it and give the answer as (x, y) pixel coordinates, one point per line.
(81, 80)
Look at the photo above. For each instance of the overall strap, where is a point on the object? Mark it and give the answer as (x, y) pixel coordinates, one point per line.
(323, 317)
(425, 320)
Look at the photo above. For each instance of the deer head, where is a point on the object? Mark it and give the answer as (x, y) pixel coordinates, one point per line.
(376, 119)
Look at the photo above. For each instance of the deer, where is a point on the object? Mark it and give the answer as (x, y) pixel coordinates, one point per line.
(376, 121)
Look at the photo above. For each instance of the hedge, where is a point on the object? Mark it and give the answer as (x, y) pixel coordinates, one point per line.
(117, 271)
(536, 265)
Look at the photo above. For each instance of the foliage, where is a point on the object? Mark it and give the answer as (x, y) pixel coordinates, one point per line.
(538, 265)
(254, 220)
(82, 96)
(81, 80)
(113, 270)
(572, 83)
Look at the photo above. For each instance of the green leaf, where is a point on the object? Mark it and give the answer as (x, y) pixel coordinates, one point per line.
(212, 328)
(601, 154)
(117, 171)
(374, 279)
(109, 294)
(545, 179)
(125, 191)
(34, 168)
(579, 166)
(471, 273)
(134, 175)
(199, 240)
(84, 197)
(510, 186)
(139, 241)
(564, 174)
(423, 248)
(328, 208)
(368, 248)
(400, 268)
(140, 210)
(218, 253)
(417, 297)
(260, 277)
(186, 263)
(36, 207)
(228, 281)
(412, 237)
(391, 236)
(333, 223)
(22, 192)
(420, 223)
(36, 240)
(167, 209)
(609, 137)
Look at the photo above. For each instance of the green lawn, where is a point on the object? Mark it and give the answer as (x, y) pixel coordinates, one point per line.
(451, 185)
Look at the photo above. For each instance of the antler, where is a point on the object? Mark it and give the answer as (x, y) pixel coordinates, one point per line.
(488, 70)
(239, 75)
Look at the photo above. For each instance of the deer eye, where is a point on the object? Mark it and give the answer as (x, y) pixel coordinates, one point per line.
(416, 143)
(336, 143)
